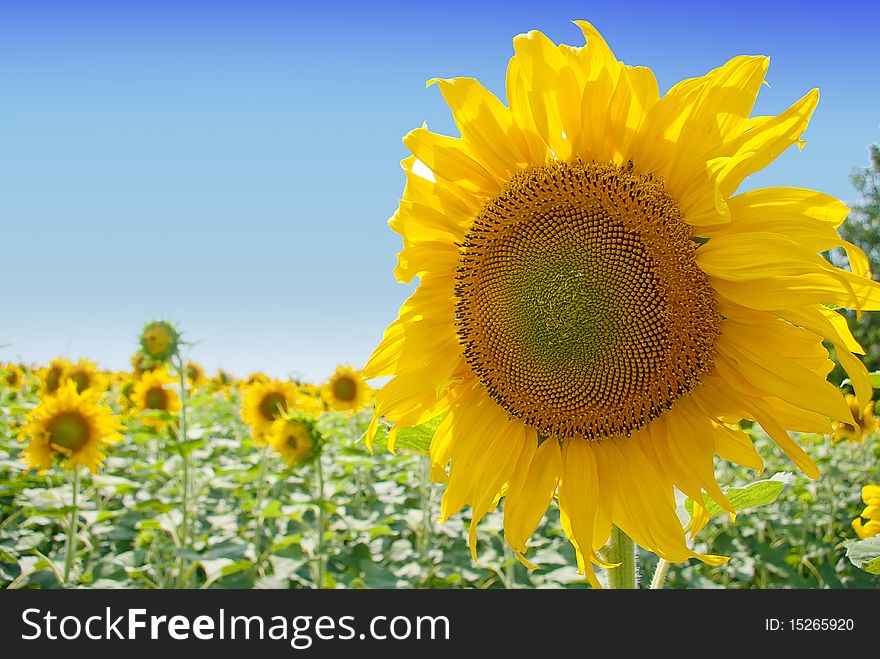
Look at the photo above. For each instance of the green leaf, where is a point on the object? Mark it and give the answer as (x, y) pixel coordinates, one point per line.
(418, 438)
(272, 509)
(875, 379)
(757, 494)
(865, 554)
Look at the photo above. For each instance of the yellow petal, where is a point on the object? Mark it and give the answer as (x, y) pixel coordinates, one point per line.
(763, 143)
(531, 491)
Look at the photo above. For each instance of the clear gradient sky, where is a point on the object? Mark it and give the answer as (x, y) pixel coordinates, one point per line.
(231, 165)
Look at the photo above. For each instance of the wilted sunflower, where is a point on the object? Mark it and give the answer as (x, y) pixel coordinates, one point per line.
(865, 422)
(265, 402)
(594, 297)
(52, 376)
(346, 390)
(159, 341)
(195, 375)
(153, 393)
(871, 514)
(86, 375)
(294, 439)
(12, 377)
(71, 426)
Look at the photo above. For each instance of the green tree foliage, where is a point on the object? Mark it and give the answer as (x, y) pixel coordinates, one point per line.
(863, 229)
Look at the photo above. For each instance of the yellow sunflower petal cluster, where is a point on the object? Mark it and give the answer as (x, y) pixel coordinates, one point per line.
(154, 392)
(865, 422)
(346, 390)
(85, 375)
(195, 375)
(12, 377)
(596, 299)
(71, 426)
(265, 402)
(140, 363)
(53, 376)
(294, 439)
(867, 525)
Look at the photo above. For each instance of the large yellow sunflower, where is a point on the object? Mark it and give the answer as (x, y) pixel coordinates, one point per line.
(69, 425)
(153, 392)
(265, 402)
(595, 298)
(346, 390)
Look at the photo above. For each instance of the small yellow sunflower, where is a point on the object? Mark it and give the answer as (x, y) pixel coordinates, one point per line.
(86, 375)
(71, 426)
(294, 439)
(310, 400)
(867, 525)
(12, 377)
(594, 297)
(53, 375)
(126, 395)
(257, 376)
(159, 341)
(220, 381)
(195, 375)
(264, 403)
(153, 393)
(346, 390)
(140, 363)
(865, 422)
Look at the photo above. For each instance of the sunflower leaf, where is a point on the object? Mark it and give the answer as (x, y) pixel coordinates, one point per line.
(418, 438)
(865, 554)
(754, 495)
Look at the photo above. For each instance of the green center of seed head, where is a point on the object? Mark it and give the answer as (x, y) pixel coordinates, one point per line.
(272, 406)
(157, 398)
(561, 310)
(53, 378)
(69, 430)
(81, 380)
(344, 389)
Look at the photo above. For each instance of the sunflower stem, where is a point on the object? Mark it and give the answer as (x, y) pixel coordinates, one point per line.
(660, 574)
(425, 496)
(321, 521)
(621, 549)
(70, 549)
(258, 508)
(184, 454)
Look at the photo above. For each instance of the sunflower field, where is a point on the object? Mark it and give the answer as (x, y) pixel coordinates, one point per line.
(260, 515)
(617, 367)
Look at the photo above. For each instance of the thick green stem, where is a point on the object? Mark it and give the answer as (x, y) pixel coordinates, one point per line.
(71, 528)
(621, 549)
(321, 522)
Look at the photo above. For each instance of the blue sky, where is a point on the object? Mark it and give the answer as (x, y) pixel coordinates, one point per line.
(231, 165)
